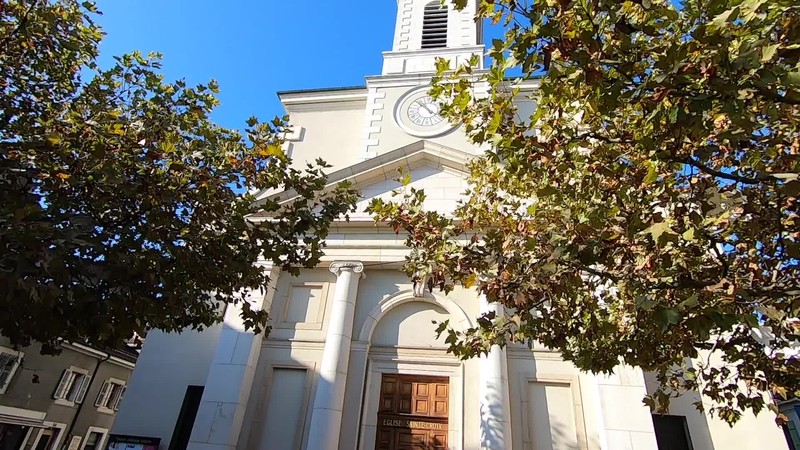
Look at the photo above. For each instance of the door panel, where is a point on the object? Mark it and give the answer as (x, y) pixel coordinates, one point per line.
(413, 413)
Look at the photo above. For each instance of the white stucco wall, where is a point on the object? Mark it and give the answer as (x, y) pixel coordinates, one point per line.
(276, 355)
(331, 134)
(566, 418)
(168, 363)
(626, 423)
(410, 325)
(710, 433)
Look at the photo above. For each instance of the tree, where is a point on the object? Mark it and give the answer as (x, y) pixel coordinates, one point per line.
(124, 207)
(647, 212)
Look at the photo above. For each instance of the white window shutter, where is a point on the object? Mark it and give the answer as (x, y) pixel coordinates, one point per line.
(63, 384)
(8, 365)
(101, 397)
(84, 386)
(119, 398)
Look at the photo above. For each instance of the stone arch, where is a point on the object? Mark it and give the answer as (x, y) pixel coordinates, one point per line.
(458, 318)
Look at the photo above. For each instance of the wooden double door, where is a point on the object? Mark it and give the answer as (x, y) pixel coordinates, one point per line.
(413, 413)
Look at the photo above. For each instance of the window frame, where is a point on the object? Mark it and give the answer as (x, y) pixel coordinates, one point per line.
(18, 362)
(101, 442)
(80, 397)
(58, 429)
(104, 396)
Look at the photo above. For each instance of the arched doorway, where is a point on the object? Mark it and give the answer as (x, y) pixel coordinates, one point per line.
(414, 389)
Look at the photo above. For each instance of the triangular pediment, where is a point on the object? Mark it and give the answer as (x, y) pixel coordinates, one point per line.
(438, 169)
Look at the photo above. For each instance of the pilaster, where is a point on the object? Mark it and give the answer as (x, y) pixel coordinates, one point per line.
(230, 378)
(373, 117)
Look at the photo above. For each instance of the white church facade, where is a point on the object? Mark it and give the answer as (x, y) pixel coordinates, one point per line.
(352, 360)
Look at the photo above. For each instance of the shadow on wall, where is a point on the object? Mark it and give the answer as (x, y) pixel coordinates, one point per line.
(491, 429)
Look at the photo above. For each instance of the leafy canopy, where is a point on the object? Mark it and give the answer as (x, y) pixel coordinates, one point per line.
(121, 203)
(647, 212)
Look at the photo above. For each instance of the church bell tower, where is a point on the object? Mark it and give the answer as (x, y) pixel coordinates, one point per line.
(399, 110)
(427, 29)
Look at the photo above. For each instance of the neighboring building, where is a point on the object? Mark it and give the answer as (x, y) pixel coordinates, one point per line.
(352, 361)
(791, 409)
(67, 401)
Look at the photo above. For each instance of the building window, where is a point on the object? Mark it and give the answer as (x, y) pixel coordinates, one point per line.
(47, 439)
(672, 432)
(94, 438)
(434, 25)
(9, 363)
(72, 387)
(110, 395)
(12, 436)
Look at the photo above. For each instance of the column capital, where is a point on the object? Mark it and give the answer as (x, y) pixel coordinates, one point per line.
(351, 266)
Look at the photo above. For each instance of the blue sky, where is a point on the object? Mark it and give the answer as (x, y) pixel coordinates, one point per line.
(253, 48)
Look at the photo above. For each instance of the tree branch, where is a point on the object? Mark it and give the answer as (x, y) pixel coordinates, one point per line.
(599, 273)
(726, 176)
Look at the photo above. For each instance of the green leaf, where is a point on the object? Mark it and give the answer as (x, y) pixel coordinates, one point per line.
(690, 302)
(792, 78)
(470, 281)
(547, 191)
(657, 230)
(406, 180)
(768, 52)
(652, 173)
(724, 18)
(668, 317)
(549, 267)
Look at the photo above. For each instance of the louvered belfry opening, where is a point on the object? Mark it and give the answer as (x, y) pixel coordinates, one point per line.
(434, 25)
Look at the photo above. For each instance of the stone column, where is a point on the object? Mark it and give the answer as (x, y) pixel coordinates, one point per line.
(230, 377)
(494, 398)
(326, 417)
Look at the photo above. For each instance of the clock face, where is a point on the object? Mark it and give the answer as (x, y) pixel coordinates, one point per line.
(424, 112)
(420, 115)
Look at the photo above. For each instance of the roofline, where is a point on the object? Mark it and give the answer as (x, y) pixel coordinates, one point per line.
(114, 356)
(331, 89)
(362, 87)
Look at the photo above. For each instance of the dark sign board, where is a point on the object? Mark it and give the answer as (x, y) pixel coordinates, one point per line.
(125, 442)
